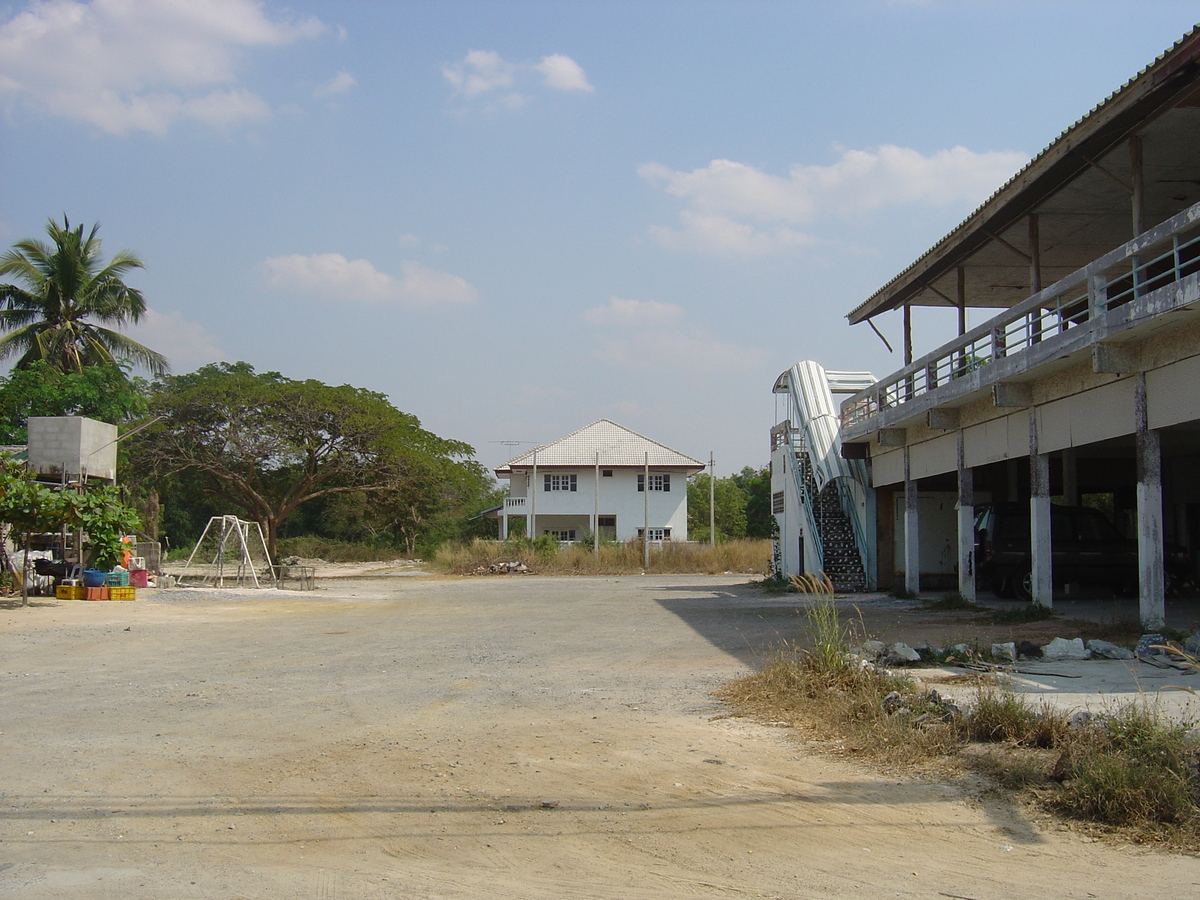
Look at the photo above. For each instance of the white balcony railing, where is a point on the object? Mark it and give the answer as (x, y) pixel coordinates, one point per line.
(1161, 256)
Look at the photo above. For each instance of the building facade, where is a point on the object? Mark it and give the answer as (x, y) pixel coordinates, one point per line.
(602, 479)
(1083, 386)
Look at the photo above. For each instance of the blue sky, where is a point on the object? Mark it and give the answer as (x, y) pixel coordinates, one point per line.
(514, 218)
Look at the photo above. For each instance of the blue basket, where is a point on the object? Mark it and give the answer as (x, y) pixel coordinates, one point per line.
(93, 578)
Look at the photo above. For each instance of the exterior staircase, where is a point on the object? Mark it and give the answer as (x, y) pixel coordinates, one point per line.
(840, 558)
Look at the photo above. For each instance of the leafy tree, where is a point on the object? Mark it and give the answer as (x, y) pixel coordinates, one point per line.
(266, 445)
(730, 507)
(69, 296)
(104, 393)
(28, 508)
(755, 484)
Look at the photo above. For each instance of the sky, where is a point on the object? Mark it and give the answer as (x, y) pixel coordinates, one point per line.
(515, 218)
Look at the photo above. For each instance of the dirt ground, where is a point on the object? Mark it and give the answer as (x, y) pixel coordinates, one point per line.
(420, 737)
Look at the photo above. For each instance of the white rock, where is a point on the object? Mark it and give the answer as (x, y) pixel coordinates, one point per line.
(900, 652)
(1061, 648)
(1007, 650)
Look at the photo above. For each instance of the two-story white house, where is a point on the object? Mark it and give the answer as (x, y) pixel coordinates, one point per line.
(602, 479)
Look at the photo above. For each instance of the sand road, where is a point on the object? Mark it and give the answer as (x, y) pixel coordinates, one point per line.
(520, 737)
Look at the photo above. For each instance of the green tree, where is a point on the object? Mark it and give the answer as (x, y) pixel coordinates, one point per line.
(104, 393)
(755, 484)
(266, 445)
(730, 507)
(68, 297)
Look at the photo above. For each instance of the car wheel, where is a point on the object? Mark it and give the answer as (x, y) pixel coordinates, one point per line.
(1023, 585)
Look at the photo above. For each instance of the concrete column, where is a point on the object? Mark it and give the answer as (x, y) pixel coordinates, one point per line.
(912, 536)
(1039, 518)
(1152, 606)
(966, 526)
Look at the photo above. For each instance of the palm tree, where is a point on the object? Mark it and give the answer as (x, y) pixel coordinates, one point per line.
(69, 295)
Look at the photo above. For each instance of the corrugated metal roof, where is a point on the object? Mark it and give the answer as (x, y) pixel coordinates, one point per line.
(617, 446)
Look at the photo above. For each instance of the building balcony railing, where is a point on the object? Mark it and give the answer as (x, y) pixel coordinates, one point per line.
(514, 503)
(1044, 324)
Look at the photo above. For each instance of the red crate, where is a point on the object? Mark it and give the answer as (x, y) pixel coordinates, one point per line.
(100, 593)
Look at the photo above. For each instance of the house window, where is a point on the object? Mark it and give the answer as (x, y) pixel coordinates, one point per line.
(567, 535)
(607, 522)
(777, 502)
(606, 473)
(657, 482)
(559, 482)
(656, 534)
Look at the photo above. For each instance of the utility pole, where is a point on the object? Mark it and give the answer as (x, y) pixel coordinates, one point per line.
(712, 500)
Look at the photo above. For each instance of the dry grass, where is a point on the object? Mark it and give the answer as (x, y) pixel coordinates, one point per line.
(1132, 770)
(546, 558)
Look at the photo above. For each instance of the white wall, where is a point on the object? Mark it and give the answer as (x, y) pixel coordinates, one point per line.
(619, 497)
(72, 445)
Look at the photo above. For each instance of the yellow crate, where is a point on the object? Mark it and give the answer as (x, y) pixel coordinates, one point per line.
(68, 592)
(120, 593)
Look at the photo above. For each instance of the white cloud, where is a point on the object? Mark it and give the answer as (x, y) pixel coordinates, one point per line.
(140, 65)
(563, 74)
(734, 208)
(338, 84)
(653, 336)
(333, 277)
(484, 74)
(185, 343)
(479, 71)
(629, 313)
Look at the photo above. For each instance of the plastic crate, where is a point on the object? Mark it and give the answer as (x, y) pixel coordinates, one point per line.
(121, 593)
(116, 579)
(69, 592)
(100, 593)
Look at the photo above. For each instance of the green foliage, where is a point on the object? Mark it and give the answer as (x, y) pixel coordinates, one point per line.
(730, 503)
(756, 485)
(105, 393)
(342, 459)
(743, 505)
(68, 295)
(104, 517)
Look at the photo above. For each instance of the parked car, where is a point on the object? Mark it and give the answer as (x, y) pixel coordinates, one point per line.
(1086, 548)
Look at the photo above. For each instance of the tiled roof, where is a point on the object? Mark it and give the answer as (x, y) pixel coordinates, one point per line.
(617, 446)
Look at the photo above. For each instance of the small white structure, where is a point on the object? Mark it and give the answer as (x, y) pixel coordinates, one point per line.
(602, 479)
(71, 447)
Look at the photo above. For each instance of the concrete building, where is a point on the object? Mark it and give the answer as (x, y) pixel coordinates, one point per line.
(602, 479)
(1084, 387)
